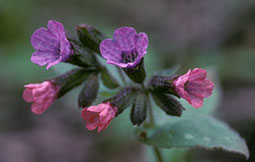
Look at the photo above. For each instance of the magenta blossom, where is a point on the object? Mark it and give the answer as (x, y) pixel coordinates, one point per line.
(126, 49)
(193, 87)
(42, 95)
(51, 45)
(98, 116)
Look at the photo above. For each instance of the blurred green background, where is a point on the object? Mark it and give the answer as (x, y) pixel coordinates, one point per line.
(210, 34)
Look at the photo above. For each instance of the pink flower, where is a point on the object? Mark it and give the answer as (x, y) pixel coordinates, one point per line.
(42, 95)
(193, 87)
(98, 116)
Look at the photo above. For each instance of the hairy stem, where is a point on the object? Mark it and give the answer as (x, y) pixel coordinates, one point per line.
(156, 150)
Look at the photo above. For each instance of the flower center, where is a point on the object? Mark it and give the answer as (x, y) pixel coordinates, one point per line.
(129, 56)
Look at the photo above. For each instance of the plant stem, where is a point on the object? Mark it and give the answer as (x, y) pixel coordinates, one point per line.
(158, 154)
(152, 123)
(121, 75)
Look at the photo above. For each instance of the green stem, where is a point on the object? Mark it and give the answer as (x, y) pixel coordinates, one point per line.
(156, 150)
(152, 121)
(121, 75)
(158, 154)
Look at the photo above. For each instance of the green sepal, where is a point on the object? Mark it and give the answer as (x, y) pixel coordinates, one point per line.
(123, 99)
(81, 56)
(89, 36)
(70, 80)
(138, 112)
(89, 91)
(137, 74)
(167, 103)
(163, 84)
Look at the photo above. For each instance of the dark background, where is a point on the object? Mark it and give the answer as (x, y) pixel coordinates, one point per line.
(193, 33)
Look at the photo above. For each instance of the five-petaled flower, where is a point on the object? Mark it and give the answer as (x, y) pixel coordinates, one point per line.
(193, 87)
(42, 95)
(98, 116)
(51, 45)
(126, 49)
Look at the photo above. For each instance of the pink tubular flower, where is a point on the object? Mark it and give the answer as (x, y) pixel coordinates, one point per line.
(98, 116)
(126, 49)
(193, 87)
(42, 95)
(51, 45)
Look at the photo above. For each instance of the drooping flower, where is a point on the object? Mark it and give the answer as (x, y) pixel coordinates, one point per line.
(98, 116)
(51, 45)
(126, 49)
(42, 95)
(194, 87)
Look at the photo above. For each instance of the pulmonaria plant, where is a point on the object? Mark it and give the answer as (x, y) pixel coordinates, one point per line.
(51, 45)
(98, 116)
(42, 95)
(126, 51)
(194, 87)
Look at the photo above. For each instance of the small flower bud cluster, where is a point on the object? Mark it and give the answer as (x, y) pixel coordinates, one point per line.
(126, 51)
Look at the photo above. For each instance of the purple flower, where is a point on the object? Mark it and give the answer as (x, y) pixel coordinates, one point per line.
(51, 45)
(126, 49)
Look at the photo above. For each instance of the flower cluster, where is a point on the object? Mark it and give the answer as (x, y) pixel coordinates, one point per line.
(126, 50)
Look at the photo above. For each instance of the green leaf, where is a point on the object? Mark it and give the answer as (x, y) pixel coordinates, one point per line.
(199, 131)
(108, 80)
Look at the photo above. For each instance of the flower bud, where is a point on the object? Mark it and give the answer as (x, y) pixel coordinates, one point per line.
(98, 116)
(89, 91)
(167, 103)
(138, 112)
(89, 36)
(42, 95)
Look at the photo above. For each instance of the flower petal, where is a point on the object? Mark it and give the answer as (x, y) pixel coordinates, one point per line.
(42, 57)
(43, 40)
(196, 101)
(141, 43)
(27, 95)
(197, 74)
(56, 28)
(65, 48)
(125, 37)
(201, 88)
(92, 123)
(38, 108)
(110, 51)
